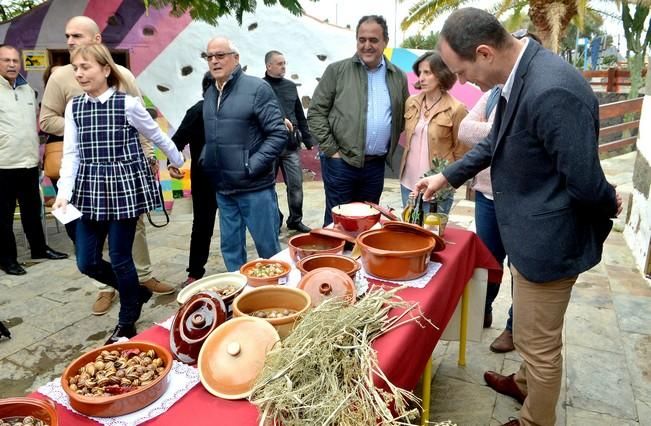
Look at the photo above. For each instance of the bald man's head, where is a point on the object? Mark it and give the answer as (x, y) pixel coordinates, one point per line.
(82, 30)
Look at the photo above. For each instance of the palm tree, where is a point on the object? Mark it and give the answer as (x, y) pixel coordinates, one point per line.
(549, 18)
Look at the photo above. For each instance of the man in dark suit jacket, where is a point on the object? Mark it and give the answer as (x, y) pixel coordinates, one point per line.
(552, 201)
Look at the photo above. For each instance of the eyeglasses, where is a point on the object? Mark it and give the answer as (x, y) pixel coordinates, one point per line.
(219, 55)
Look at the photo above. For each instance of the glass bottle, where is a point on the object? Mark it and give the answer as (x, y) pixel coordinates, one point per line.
(432, 219)
(417, 214)
(406, 213)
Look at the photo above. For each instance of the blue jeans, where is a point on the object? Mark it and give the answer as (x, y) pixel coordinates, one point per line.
(257, 211)
(443, 206)
(344, 183)
(489, 233)
(121, 272)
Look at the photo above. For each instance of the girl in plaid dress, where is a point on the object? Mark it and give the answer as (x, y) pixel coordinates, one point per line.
(104, 173)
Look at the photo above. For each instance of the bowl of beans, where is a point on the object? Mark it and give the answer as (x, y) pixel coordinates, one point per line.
(281, 306)
(263, 272)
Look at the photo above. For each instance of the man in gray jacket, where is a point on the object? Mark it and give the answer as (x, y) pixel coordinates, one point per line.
(356, 116)
(552, 201)
(19, 165)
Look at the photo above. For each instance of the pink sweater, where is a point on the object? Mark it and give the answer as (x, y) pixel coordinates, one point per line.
(473, 129)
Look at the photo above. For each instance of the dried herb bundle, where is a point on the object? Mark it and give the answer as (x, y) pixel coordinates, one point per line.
(323, 373)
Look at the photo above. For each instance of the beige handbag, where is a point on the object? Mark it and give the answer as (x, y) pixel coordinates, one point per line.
(52, 159)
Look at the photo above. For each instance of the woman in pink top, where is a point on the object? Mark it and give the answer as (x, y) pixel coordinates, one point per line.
(432, 120)
(474, 128)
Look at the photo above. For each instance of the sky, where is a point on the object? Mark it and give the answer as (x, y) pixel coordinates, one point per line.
(348, 12)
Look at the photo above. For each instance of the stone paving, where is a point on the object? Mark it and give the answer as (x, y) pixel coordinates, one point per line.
(607, 378)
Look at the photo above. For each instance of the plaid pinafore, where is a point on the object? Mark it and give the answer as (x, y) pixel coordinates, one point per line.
(113, 181)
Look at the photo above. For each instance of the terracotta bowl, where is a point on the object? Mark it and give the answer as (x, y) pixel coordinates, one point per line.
(305, 245)
(193, 322)
(274, 297)
(337, 261)
(112, 406)
(258, 281)
(355, 217)
(216, 283)
(395, 255)
(40, 409)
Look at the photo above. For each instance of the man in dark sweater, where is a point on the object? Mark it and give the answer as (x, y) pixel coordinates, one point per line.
(289, 161)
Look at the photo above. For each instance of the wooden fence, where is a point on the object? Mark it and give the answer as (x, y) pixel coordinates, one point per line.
(612, 79)
(626, 130)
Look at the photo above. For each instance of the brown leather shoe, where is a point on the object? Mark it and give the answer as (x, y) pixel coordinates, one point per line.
(503, 342)
(104, 301)
(512, 422)
(158, 287)
(504, 385)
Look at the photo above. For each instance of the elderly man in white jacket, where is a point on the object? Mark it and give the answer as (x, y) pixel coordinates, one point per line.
(19, 165)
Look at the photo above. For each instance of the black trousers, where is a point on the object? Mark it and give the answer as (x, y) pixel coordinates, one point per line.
(21, 185)
(204, 206)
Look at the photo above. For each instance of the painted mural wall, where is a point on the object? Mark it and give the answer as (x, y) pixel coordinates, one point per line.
(164, 51)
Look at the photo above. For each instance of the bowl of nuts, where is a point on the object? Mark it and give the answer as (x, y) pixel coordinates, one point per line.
(278, 305)
(117, 379)
(228, 285)
(265, 272)
(28, 412)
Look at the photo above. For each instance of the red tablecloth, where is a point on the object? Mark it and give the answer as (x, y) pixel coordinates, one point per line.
(402, 353)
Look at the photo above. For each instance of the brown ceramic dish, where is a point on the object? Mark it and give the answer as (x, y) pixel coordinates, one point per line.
(355, 217)
(262, 281)
(233, 356)
(112, 406)
(40, 409)
(304, 245)
(395, 255)
(337, 261)
(327, 283)
(274, 297)
(410, 227)
(192, 324)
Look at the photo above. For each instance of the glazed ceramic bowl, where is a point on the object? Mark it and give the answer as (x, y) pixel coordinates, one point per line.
(355, 217)
(274, 298)
(41, 409)
(117, 405)
(192, 324)
(220, 283)
(395, 255)
(304, 245)
(279, 279)
(337, 261)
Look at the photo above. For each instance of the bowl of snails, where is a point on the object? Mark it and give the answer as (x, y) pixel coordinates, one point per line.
(24, 411)
(117, 379)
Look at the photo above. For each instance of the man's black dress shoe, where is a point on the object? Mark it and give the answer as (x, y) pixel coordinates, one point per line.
(50, 254)
(13, 269)
(300, 227)
(127, 331)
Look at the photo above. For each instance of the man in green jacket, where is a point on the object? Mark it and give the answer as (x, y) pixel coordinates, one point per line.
(356, 116)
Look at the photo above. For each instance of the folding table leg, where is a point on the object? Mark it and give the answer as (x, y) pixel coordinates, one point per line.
(463, 327)
(427, 388)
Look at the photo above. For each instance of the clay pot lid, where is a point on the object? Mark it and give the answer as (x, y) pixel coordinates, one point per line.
(194, 321)
(335, 232)
(325, 283)
(233, 355)
(410, 227)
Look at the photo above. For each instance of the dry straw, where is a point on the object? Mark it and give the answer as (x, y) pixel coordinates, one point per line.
(324, 372)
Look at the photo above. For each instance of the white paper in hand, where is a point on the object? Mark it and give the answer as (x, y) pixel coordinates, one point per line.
(71, 213)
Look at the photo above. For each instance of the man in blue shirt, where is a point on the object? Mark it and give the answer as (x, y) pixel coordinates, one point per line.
(356, 116)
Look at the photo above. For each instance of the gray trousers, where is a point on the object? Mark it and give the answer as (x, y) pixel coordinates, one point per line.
(290, 166)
